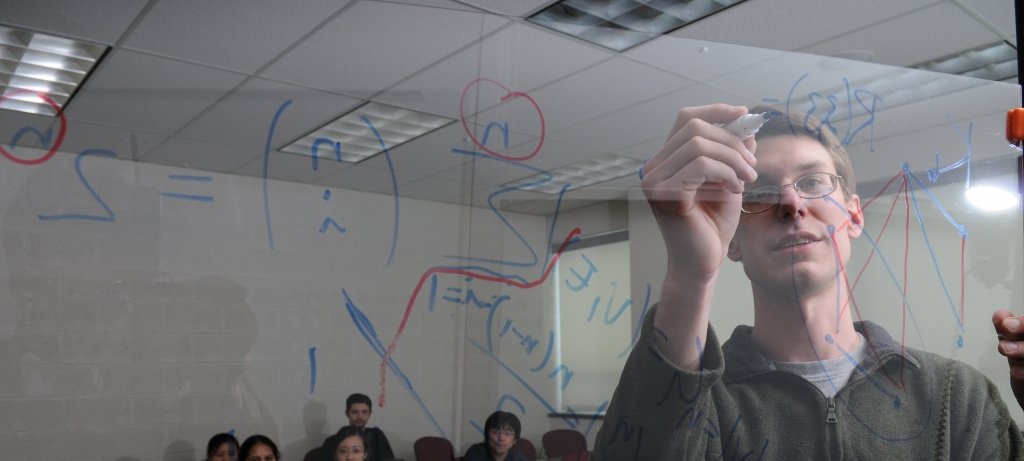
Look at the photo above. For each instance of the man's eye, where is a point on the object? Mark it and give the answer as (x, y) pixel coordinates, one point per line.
(812, 182)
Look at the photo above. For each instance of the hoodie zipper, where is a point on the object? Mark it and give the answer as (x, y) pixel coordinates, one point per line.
(831, 417)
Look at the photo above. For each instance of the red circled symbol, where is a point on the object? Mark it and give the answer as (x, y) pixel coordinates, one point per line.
(62, 123)
(509, 95)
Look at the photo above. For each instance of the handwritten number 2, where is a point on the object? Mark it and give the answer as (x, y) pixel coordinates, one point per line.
(109, 217)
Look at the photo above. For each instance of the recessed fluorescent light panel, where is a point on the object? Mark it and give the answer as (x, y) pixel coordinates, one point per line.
(997, 61)
(622, 24)
(362, 131)
(580, 174)
(34, 64)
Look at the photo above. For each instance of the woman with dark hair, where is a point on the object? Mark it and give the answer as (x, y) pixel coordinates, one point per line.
(501, 433)
(351, 445)
(259, 448)
(222, 447)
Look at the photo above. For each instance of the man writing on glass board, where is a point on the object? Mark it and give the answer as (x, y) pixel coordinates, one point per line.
(806, 381)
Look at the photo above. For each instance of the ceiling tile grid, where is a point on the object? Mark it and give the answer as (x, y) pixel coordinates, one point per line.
(374, 45)
(902, 40)
(241, 35)
(197, 84)
(100, 21)
(244, 117)
(149, 93)
(794, 24)
(515, 58)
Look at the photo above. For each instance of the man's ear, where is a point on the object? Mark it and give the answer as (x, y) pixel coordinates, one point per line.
(856, 216)
(734, 252)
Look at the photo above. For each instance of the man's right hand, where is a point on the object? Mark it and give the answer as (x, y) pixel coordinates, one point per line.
(694, 185)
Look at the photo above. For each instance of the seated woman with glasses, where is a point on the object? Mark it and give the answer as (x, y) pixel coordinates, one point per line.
(351, 445)
(501, 433)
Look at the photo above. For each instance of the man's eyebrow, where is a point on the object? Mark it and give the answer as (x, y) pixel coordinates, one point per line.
(806, 167)
(815, 165)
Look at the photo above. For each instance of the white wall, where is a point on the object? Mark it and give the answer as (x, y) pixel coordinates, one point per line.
(140, 337)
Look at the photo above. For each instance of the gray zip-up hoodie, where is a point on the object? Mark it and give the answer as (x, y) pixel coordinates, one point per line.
(900, 404)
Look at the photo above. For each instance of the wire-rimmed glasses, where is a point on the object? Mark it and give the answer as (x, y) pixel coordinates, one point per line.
(808, 186)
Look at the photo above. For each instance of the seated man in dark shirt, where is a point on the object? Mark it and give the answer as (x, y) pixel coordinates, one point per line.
(358, 408)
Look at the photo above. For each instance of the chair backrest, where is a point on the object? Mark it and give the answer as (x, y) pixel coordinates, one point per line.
(561, 442)
(433, 448)
(528, 449)
(314, 455)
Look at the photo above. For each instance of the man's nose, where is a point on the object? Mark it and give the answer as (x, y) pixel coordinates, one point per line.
(791, 204)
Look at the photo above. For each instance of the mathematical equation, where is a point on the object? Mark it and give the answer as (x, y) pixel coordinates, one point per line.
(848, 113)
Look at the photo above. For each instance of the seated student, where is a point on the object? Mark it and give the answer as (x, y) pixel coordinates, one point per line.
(222, 447)
(806, 381)
(351, 445)
(501, 433)
(258, 448)
(358, 408)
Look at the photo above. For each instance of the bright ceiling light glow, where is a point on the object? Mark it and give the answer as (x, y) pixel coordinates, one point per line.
(34, 64)
(996, 61)
(990, 198)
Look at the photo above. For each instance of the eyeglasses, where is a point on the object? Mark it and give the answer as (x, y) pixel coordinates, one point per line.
(505, 432)
(764, 198)
(354, 450)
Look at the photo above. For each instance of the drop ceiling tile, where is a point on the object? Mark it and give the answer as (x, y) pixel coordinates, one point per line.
(516, 58)
(519, 8)
(998, 13)
(244, 117)
(589, 94)
(646, 149)
(776, 24)
(444, 4)
(374, 45)
(916, 44)
(698, 59)
(643, 122)
(426, 155)
(796, 77)
(241, 35)
(202, 155)
(101, 21)
(525, 56)
(148, 93)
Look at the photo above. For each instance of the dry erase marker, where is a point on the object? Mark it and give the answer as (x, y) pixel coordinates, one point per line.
(747, 125)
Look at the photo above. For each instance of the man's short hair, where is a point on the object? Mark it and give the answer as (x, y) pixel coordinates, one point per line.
(358, 398)
(796, 124)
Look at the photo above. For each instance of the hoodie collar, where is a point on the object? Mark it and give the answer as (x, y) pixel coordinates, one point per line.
(744, 358)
